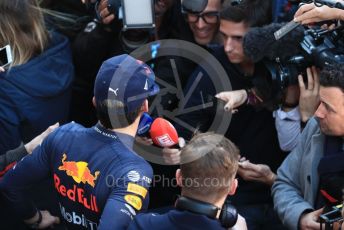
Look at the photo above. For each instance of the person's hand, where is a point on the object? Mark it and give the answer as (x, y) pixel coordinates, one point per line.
(240, 224)
(172, 156)
(328, 27)
(338, 225)
(48, 220)
(233, 98)
(104, 13)
(2, 69)
(309, 97)
(309, 13)
(309, 221)
(256, 172)
(144, 140)
(38, 140)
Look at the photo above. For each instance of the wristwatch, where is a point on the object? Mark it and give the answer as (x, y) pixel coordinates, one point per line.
(36, 224)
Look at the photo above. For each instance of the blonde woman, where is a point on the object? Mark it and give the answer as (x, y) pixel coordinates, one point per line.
(35, 87)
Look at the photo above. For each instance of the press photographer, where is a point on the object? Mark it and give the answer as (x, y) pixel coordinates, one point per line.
(288, 50)
(311, 176)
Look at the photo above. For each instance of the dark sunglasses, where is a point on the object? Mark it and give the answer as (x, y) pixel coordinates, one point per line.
(210, 17)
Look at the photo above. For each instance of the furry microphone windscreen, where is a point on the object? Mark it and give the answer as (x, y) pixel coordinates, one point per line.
(259, 42)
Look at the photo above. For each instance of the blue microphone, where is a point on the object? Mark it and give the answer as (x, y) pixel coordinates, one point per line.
(144, 125)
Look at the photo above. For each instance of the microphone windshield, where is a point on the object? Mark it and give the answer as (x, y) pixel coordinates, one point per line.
(163, 133)
(259, 42)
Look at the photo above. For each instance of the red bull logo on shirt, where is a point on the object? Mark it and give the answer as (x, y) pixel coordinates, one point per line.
(76, 194)
(79, 171)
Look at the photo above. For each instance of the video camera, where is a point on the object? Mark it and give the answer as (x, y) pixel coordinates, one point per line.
(137, 18)
(134, 14)
(319, 47)
(286, 50)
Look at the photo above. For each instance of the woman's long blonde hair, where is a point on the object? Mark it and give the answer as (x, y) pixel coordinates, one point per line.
(22, 27)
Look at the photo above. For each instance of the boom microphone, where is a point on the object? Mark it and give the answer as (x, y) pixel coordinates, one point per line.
(259, 42)
(163, 133)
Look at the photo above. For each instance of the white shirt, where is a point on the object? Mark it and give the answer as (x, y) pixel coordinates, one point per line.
(288, 126)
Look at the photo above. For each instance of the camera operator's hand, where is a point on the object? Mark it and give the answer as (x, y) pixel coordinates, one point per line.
(172, 155)
(309, 221)
(233, 98)
(104, 13)
(309, 13)
(309, 97)
(256, 172)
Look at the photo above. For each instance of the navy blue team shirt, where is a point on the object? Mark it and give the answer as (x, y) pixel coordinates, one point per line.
(174, 220)
(101, 183)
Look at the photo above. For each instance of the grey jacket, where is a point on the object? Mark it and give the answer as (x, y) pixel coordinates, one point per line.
(296, 186)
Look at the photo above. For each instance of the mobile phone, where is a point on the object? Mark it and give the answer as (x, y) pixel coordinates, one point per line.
(5, 56)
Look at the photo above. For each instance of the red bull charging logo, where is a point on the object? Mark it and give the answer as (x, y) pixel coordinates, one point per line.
(79, 171)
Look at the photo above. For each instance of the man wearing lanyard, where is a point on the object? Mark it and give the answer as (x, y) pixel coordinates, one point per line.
(100, 181)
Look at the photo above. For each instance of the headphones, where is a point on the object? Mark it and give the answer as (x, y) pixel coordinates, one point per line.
(228, 215)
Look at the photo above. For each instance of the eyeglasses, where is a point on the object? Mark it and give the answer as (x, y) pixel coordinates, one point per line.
(210, 17)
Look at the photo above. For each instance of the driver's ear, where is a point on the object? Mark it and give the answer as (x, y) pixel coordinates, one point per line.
(145, 107)
(179, 178)
(233, 187)
(94, 102)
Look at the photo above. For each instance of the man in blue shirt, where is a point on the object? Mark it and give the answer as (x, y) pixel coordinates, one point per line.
(100, 181)
(205, 181)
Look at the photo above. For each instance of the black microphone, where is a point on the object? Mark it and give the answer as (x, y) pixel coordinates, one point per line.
(259, 42)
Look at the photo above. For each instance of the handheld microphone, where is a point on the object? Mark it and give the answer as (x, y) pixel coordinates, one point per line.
(144, 125)
(163, 133)
(259, 42)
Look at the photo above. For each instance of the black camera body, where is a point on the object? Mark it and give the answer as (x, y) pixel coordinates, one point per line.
(319, 47)
(133, 32)
(331, 216)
